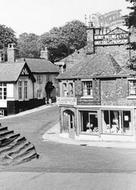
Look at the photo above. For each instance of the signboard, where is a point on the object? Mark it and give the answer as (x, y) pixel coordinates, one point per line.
(117, 36)
(66, 101)
(110, 19)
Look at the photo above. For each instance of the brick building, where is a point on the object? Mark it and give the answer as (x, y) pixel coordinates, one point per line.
(98, 89)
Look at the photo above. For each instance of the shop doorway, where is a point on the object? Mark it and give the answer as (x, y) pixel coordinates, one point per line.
(68, 121)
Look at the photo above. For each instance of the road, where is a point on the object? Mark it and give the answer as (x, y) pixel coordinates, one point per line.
(64, 161)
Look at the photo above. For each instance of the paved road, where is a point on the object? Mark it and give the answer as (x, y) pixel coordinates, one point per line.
(71, 160)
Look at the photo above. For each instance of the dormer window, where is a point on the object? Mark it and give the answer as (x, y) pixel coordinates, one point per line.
(88, 88)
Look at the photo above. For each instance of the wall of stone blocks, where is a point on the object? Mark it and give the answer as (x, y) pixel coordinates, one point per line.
(115, 92)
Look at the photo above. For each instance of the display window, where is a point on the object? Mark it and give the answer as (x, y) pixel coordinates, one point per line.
(89, 122)
(116, 122)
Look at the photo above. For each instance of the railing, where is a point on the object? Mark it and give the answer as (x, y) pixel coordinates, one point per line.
(66, 101)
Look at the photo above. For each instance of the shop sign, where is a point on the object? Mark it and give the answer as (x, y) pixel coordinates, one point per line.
(66, 101)
(117, 36)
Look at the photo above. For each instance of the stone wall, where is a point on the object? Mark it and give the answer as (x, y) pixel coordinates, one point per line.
(87, 101)
(115, 92)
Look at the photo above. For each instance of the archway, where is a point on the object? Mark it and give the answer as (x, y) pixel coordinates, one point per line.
(69, 122)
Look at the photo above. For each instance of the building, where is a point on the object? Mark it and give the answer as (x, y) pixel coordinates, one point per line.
(16, 88)
(23, 82)
(98, 91)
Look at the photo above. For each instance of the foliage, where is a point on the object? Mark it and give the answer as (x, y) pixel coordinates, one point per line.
(131, 20)
(7, 35)
(28, 45)
(64, 40)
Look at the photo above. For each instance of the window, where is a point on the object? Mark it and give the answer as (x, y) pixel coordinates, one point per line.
(70, 89)
(65, 90)
(116, 122)
(25, 89)
(20, 90)
(39, 93)
(132, 88)
(89, 122)
(87, 88)
(3, 91)
(39, 79)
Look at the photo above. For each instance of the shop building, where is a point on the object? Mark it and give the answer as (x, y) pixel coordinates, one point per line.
(98, 95)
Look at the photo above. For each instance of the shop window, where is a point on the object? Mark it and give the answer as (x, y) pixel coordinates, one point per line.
(89, 122)
(87, 88)
(116, 122)
(3, 91)
(132, 88)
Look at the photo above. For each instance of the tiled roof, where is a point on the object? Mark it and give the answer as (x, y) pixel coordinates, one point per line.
(9, 72)
(95, 65)
(41, 65)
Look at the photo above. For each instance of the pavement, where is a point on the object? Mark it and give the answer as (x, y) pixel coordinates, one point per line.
(54, 135)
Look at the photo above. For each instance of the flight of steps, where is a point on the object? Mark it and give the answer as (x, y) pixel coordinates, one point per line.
(15, 149)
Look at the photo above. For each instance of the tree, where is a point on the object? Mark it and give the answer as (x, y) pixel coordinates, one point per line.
(64, 40)
(7, 35)
(131, 20)
(28, 45)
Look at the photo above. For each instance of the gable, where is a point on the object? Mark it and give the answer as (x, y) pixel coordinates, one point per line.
(26, 72)
(117, 30)
(117, 36)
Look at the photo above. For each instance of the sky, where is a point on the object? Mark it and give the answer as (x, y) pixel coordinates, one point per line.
(39, 16)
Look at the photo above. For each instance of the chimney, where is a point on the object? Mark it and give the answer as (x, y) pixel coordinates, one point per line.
(2, 56)
(11, 53)
(90, 38)
(44, 53)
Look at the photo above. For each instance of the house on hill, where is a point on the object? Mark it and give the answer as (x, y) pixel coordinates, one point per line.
(98, 92)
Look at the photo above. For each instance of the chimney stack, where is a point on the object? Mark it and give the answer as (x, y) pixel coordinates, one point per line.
(90, 38)
(44, 53)
(11, 53)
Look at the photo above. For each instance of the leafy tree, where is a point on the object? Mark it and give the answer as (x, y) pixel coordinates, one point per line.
(131, 20)
(64, 40)
(7, 35)
(28, 45)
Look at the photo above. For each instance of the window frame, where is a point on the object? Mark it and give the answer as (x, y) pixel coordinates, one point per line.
(85, 90)
(131, 95)
(3, 91)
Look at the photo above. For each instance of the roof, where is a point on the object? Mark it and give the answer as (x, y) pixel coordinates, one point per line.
(94, 65)
(40, 65)
(9, 72)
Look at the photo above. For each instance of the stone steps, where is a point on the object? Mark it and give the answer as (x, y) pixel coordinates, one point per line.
(15, 149)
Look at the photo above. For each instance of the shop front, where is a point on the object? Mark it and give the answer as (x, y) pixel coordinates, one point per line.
(106, 124)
